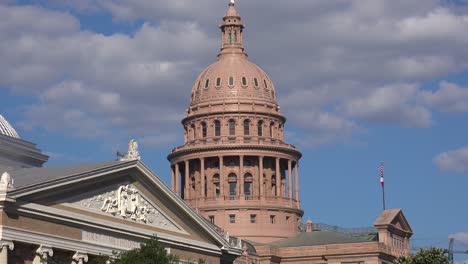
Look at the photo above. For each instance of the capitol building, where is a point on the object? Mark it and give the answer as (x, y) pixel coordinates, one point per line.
(233, 196)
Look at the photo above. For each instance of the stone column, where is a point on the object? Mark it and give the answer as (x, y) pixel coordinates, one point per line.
(5, 245)
(241, 176)
(79, 258)
(42, 254)
(172, 179)
(260, 176)
(296, 183)
(202, 180)
(221, 176)
(278, 177)
(187, 180)
(177, 179)
(289, 179)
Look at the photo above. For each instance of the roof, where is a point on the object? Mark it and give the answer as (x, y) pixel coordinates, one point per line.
(6, 129)
(395, 218)
(34, 180)
(31, 176)
(323, 238)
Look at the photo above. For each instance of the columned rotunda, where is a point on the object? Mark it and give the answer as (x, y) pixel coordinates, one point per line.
(235, 167)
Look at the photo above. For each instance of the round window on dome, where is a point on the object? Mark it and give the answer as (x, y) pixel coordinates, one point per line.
(207, 83)
(256, 83)
(244, 82)
(231, 81)
(218, 82)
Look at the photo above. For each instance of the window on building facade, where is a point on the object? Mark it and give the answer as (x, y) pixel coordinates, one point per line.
(256, 82)
(253, 218)
(232, 180)
(246, 127)
(244, 81)
(216, 185)
(260, 128)
(217, 125)
(248, 184)
(232, 127)
(194, 132)
(272, 219)
(204, 130)
(207, 83)
(232, 219)
(212, 219)
(231, 81)
(271, 128)
(218, 82)
(273, 185)
(265, 84)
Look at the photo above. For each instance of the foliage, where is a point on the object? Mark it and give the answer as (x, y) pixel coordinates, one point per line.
(152, 252)
(425, 256)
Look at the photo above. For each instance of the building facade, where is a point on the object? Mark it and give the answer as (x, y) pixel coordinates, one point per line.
(235, 167)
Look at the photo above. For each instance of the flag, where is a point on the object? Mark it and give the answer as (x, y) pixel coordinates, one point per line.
(381, 173)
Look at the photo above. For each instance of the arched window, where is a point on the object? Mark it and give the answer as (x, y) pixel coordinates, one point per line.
(256, 82)
(217, 125)
(232, 180)
(260, 128)
(271, 128)
(194, 132)
(206, 188)
(216, 185)
(244, 82)
(273, 185)
(265, 83)
(218, 82)
(248, 179)
(230, 38)
(207, 83)
(204, 130)
(232, 127)
(231, 81)
(246, 127)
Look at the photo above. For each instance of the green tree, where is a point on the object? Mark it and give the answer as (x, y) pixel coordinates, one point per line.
(425, 256)
(152, 252)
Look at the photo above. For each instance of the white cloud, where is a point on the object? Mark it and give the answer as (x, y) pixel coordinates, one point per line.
(460, 238)
(329, 58)
(390, 104)
(455, 161)
(449, 97)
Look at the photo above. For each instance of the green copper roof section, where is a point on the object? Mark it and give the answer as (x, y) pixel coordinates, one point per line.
(323, 238)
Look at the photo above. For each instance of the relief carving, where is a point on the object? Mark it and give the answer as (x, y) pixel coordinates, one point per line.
(127, 203)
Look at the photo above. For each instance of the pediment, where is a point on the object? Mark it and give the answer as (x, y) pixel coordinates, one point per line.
(123, 201)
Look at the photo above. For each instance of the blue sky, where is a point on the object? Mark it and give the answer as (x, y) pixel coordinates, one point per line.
(359, 81)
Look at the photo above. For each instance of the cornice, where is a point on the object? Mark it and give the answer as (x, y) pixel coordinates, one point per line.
(192, 150)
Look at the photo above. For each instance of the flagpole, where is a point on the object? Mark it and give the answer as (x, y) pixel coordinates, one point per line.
(383, 197)
(381, 174)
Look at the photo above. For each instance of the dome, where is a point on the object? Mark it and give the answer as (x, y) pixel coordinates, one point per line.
(6, 129)
(233, 76)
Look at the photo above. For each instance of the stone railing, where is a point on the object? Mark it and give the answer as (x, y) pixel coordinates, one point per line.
(246, 199)
(234, 140)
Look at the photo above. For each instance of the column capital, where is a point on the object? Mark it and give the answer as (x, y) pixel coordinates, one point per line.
(80, 257)
(45, 251)
(7, 243)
